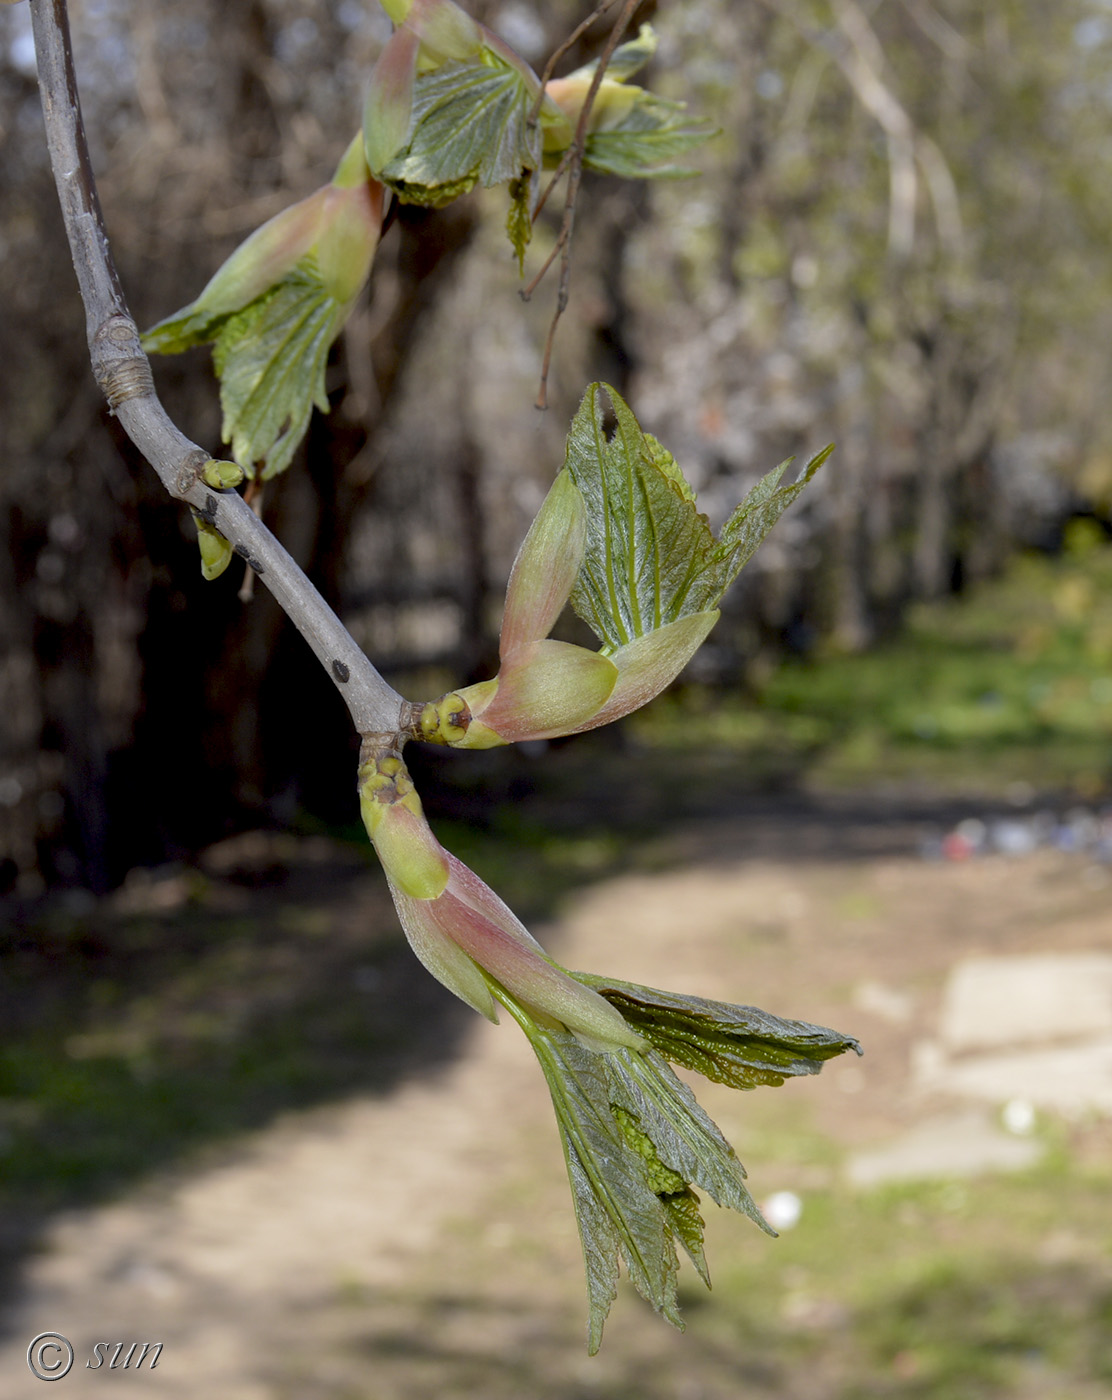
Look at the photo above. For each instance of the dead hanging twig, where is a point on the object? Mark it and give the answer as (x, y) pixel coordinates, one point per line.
(573, 164)
(569, 43)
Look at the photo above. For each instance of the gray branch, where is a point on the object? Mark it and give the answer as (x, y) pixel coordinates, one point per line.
(124, 374)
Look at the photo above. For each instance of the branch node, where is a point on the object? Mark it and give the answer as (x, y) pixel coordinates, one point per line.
(127, 379)
(121, 369)
(190, 472)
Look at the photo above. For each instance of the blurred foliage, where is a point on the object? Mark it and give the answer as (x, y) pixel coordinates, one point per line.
(1012, 684)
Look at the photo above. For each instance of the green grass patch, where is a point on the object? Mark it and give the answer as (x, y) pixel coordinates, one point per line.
(945, 1290)
(1012, 683)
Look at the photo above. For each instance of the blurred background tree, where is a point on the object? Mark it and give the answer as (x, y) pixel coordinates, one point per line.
(898, 241)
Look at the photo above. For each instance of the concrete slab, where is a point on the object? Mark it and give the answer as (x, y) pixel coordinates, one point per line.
(992, 1003)
(1072, 1079)
(958, 1145)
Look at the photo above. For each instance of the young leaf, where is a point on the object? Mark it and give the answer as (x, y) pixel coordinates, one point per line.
(646, 142)
(469, 126)
(519, 217)
(741, 1046)
(631, 132)
(274, 307)
(651, 558)
(685, 1137)
(271, 359)
(617, 1210)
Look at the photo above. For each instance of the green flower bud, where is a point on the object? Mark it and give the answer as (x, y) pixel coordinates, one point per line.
(216, 552)
(223, 476)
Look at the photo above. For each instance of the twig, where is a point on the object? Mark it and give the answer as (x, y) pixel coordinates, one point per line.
(253, 494)
(575, 173)
(572, 39)
(124, 374)
(557, 175)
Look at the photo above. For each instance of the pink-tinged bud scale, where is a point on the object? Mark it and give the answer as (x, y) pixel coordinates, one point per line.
(546, 566)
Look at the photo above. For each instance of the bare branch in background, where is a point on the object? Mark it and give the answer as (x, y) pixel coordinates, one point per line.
(572, 39)
(124, 375)
(575, 174)
(939, 30)
(859, 54)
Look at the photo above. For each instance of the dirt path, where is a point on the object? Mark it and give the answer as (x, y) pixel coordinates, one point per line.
(422, 1245)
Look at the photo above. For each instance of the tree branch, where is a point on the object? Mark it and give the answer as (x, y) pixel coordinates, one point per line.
(575, 174)
(124, 374)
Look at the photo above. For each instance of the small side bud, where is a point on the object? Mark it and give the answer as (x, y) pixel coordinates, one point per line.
(223, 476)
(391, 810)
(216, 552)
(444, 721)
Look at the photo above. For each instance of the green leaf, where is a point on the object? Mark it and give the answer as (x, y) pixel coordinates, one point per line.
(741, 1046)
(685, 1137)
(519, 218)
(629, 58)
(644, 535)
(617, 1211)
(469, 126)
(681, 1204)
(651, 558)
(182, 331)
(635, 1139)
(682, 1210)
(271, 358)
(646, 143)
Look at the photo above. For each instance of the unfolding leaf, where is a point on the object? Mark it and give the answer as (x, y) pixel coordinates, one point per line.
(618, 1212)
(651, 557)
(629, 58)
(646, 143)
(469, 126)
(519, 218)
(741, 1046)
(680, 1203)
(684, 1136)
(271, 359)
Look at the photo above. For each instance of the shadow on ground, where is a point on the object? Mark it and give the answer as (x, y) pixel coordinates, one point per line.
(193, 1006)
(144, 1030)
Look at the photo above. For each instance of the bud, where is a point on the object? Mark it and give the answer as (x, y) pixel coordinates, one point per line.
(546, 567)
(216, 552)
(648, 664)
(615, 99)
(459, 928)
(544, 689)
(222, 476)
(337, 225)
(391, 810)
